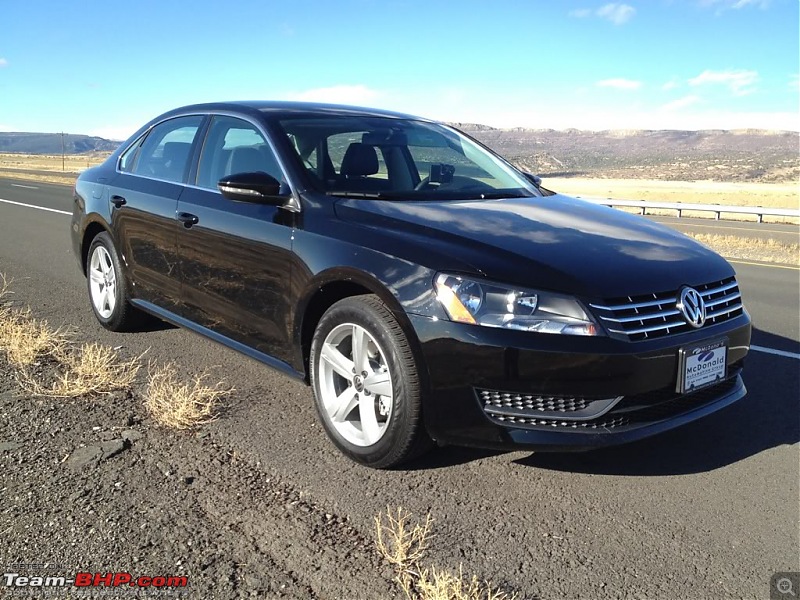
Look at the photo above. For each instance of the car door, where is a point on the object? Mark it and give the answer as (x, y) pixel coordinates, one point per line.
(144, 198)
(235, 257)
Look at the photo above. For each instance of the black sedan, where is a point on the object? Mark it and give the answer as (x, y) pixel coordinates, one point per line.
(425, 288)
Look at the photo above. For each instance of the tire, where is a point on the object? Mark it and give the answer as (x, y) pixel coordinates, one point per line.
(366, 384)
(108, 286)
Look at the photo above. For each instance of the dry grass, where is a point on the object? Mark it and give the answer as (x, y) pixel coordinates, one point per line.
(89, 370)
(25, 339)
(403, 542)
(732, 246)
(773, 195)
(13, 166)
(181, 405)
(444, 585)
(73, 163)
(5, 289)
(400, 542)
(49, 363)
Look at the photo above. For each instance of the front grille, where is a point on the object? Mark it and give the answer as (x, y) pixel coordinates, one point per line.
(632, 411)
(636, 318)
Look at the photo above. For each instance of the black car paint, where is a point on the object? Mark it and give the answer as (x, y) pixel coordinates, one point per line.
(256, 277)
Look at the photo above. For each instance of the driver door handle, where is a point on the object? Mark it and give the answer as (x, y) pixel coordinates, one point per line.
(188, 219)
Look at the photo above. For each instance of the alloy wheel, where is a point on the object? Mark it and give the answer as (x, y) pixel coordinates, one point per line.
(355, 384)
(102, 282)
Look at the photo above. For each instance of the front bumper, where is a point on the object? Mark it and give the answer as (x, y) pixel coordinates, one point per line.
(497, 388)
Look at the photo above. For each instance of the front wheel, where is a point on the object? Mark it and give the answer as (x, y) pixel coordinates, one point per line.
(366, 383)
(108, 288)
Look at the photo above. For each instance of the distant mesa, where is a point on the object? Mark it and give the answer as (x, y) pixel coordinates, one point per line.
(50, 143)
(719, 155)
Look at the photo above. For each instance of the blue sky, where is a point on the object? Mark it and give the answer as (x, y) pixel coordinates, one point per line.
(104, 68)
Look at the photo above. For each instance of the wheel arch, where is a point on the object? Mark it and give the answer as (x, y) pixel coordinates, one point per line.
(93, 228)
(328, 288)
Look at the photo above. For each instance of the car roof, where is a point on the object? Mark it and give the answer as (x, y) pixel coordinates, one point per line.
(285, 109)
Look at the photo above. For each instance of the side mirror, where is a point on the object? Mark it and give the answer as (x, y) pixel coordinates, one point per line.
(255, 187)
(534, 179)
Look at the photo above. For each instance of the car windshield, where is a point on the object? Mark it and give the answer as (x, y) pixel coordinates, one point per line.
(394, 159)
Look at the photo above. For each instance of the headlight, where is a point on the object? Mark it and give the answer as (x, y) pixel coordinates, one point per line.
(493, 305)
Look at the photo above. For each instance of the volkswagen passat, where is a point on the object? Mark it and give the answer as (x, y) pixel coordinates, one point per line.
(423, 287)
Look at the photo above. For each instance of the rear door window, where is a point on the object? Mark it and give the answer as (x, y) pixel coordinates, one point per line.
(166, 151)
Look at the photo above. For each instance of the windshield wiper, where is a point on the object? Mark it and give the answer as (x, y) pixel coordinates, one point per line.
(501, 195)
(375, 195)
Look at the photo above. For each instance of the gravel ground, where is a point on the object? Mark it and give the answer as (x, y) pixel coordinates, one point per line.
(92, 485)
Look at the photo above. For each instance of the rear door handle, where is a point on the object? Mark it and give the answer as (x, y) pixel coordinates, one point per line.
(118, 201)
(188, 219)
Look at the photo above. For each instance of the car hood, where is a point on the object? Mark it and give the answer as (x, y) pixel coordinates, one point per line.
(554, 243)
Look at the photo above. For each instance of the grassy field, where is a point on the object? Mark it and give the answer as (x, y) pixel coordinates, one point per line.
(773, 195)
(731, 246)
(51, 168)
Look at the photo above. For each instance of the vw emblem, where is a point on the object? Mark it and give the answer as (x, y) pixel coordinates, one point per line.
(692, 307)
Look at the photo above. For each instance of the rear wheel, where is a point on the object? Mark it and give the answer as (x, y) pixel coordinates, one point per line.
(108, 288)
(366, 384)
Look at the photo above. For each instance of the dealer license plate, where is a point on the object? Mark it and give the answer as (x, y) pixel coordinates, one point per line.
(702, 365)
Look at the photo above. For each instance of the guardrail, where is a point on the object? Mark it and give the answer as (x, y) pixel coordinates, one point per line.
(680, 207)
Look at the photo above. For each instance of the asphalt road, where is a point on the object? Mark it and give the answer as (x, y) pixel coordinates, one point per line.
(707, 511)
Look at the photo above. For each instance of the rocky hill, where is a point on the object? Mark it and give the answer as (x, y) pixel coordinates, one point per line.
(736, 155)
(719, 155)
(50, 143)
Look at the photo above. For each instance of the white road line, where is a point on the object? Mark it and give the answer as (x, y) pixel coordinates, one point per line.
(61, 212)
(783, 353)
(27, 187)
(727, 227)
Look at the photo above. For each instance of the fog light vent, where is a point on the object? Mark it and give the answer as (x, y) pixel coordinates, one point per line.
(513, 405)
(530, 402)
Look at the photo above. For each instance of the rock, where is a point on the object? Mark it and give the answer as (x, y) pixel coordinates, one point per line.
(9, 446)
(87, 455)
(112, 448)
(131, 435)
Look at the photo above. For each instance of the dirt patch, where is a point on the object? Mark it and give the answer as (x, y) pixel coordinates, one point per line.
(94, 486)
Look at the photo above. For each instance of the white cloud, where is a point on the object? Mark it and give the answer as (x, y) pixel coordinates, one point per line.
(794, 82)
(740, 82)
(3, 62)
(670, 85)
(681, 103)
(723, 5)
(338, 94)
(614, 12)
(619, 83)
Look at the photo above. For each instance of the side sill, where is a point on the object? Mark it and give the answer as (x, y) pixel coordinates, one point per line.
(266, 359)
